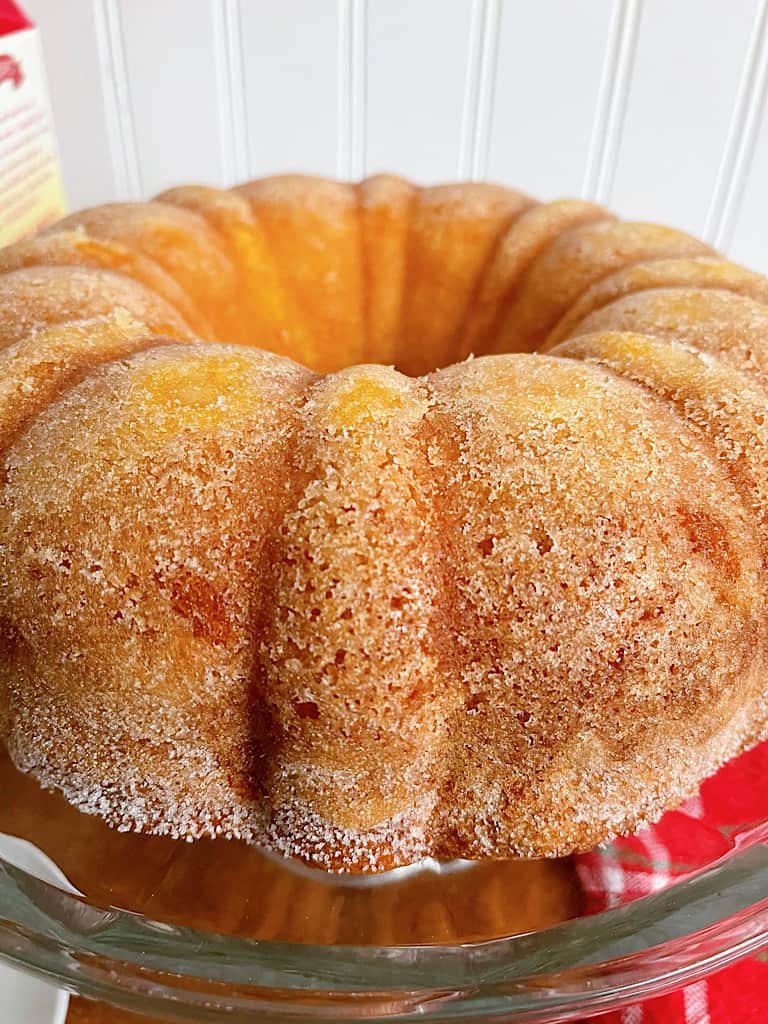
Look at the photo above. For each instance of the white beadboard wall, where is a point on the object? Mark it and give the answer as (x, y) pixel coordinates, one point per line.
(657, 107)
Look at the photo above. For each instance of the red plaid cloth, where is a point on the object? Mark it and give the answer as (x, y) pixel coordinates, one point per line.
(686, 839)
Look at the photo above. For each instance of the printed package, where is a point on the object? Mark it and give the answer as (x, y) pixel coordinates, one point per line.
(31, 190)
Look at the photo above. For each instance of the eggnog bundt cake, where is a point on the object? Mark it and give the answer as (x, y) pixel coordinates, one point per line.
(279, 561)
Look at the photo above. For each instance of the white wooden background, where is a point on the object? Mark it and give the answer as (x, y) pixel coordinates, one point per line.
(657, 107)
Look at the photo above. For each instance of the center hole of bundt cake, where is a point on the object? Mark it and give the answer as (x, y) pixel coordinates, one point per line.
(418, 364)
(416, 358)
(412, 354)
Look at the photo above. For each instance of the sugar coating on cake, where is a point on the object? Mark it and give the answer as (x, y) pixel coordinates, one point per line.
(369, 523)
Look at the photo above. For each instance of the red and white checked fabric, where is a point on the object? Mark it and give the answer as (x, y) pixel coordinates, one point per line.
(686, 839)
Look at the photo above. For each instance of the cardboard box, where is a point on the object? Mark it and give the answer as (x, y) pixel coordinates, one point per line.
(31, 189)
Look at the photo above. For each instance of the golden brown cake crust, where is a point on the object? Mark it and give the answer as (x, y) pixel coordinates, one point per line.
(378, 600)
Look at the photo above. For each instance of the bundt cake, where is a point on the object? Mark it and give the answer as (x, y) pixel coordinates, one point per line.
(373, 522)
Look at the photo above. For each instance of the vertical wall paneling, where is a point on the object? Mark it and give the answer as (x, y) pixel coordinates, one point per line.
(224, 92)
(117, 99)
(657, 108)
(471, 89)
(230, 90)
(688, 66)
(290, 70)
(749, 244)
(417, 68)
(479, 90)
(352, 88)
(487, 92)
(742, 136)
(546, 93)
(611, 106)
(73, 69)
(174, 109)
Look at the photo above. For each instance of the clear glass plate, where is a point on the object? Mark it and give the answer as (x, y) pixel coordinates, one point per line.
(446, 956)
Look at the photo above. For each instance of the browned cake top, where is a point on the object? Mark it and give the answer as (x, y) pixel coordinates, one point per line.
(412, 590)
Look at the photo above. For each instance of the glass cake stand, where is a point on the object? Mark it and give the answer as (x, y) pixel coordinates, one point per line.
(254, 967)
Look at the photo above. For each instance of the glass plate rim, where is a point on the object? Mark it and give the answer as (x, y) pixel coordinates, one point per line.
(587, 965)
